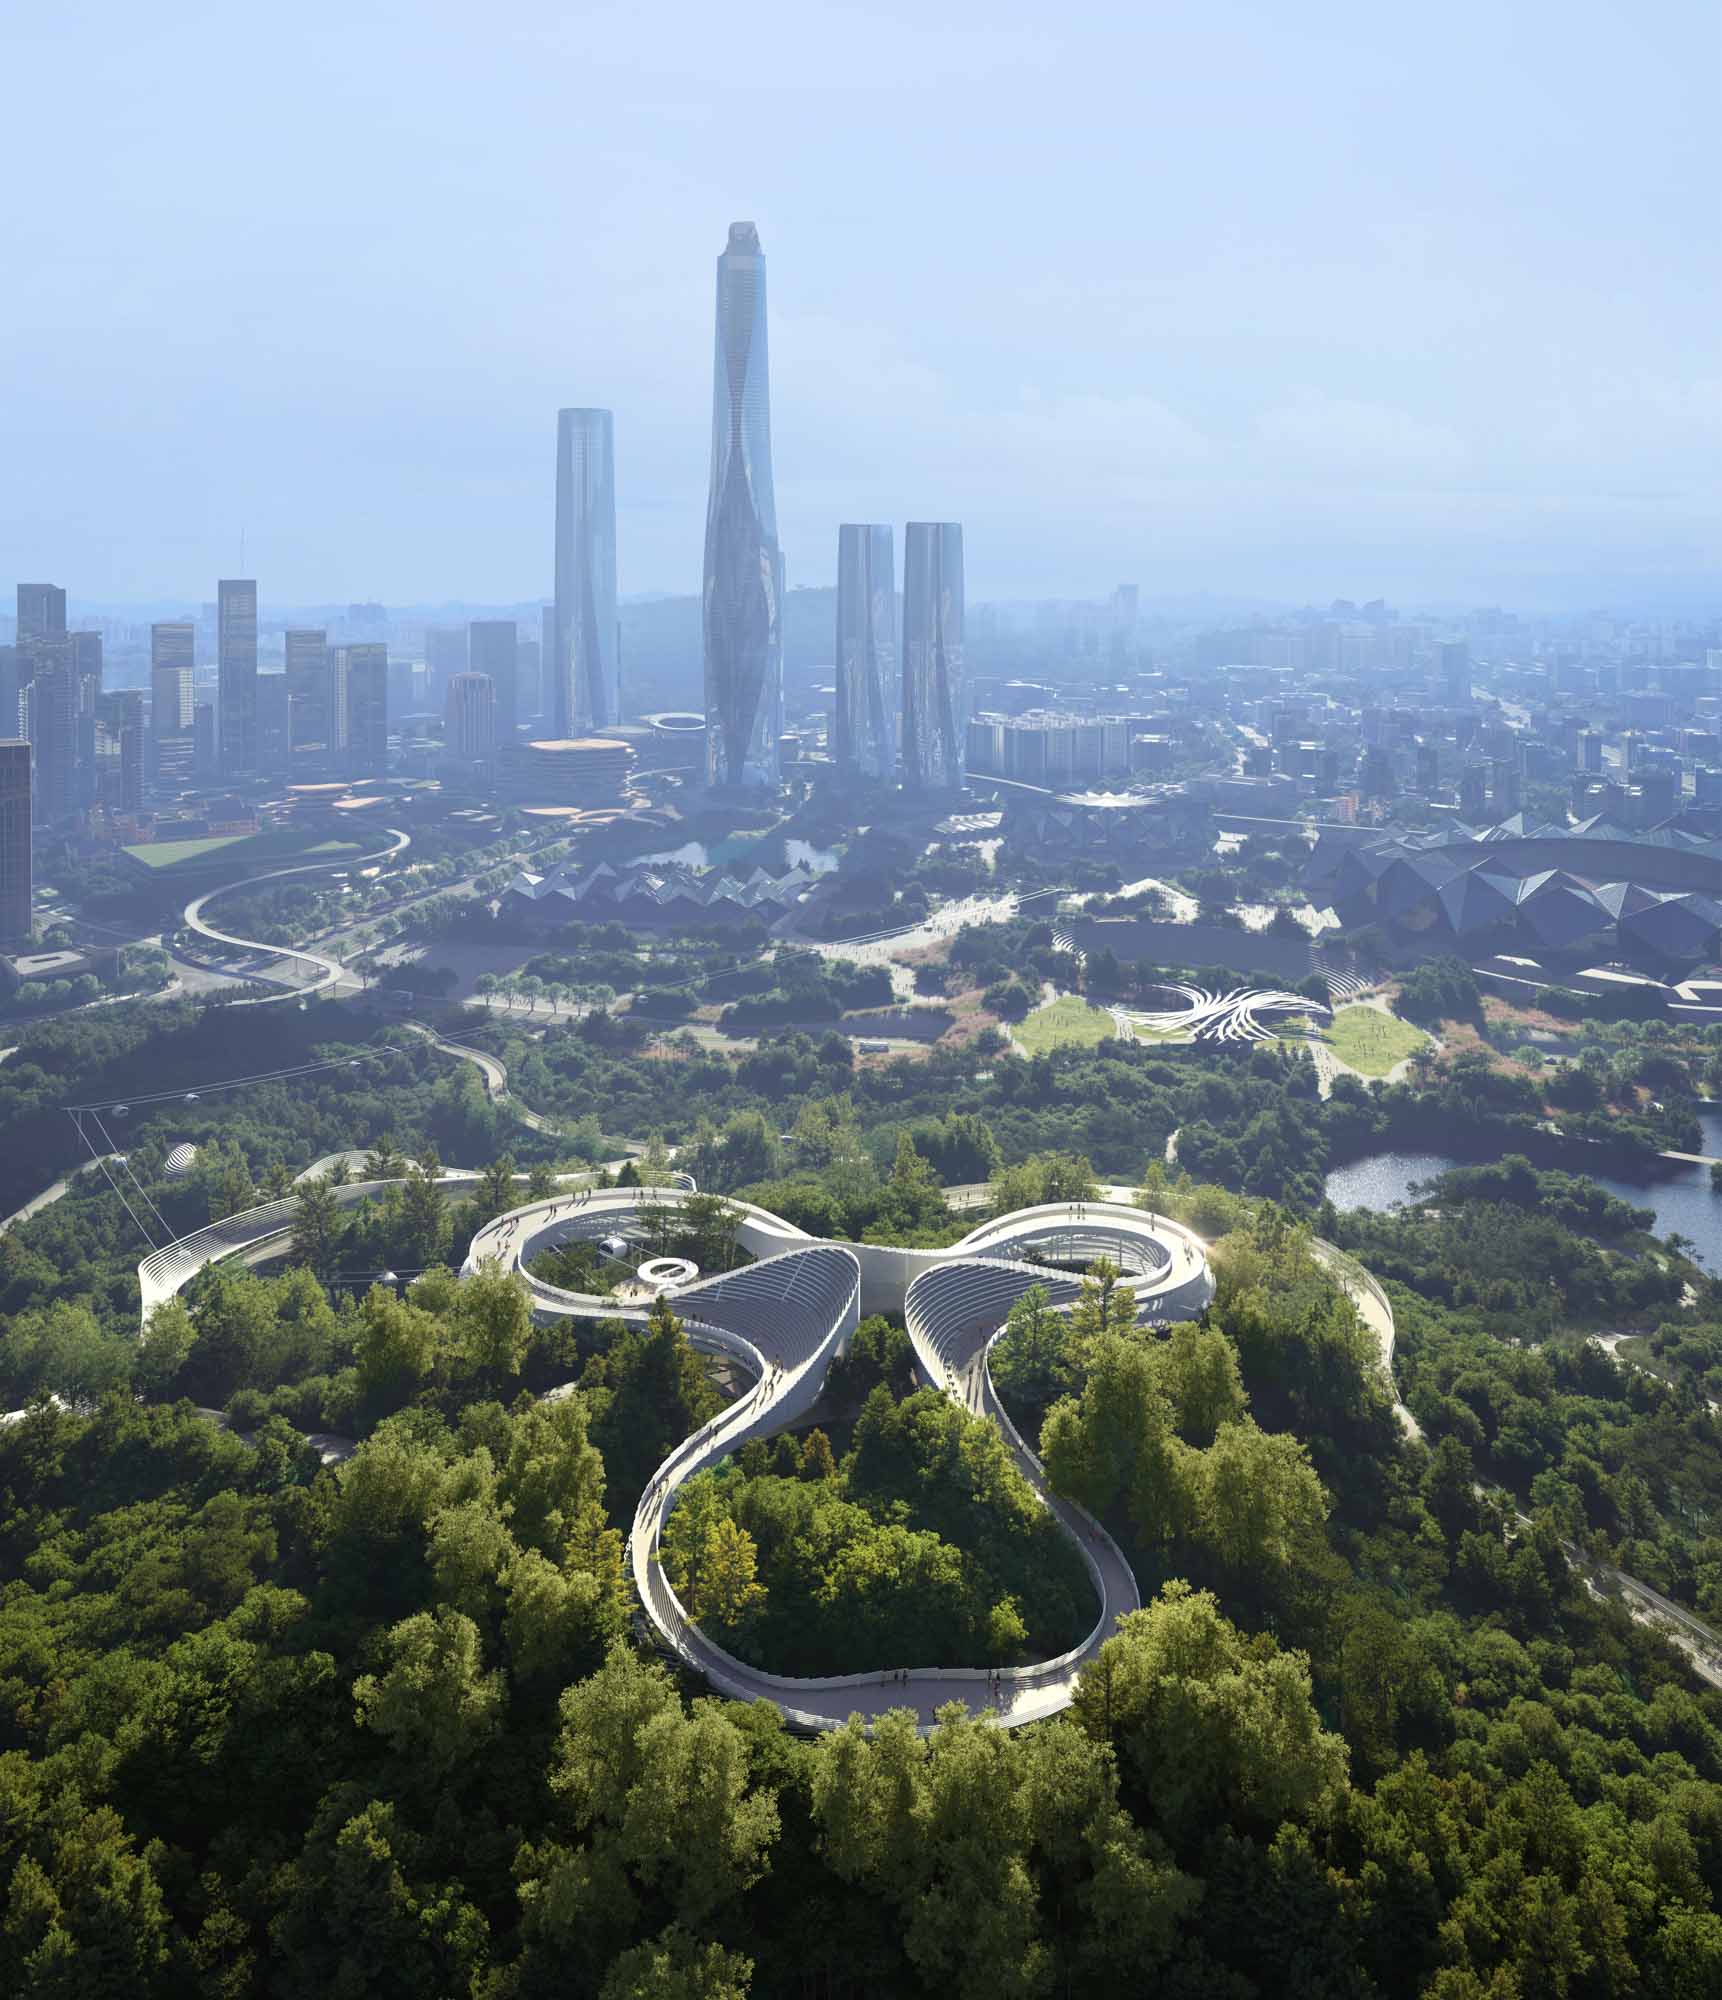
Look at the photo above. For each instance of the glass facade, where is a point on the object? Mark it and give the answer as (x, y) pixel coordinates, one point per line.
(362, 674)
(581, 676)
(935, 704)
(864, 723)
(311, 731)
(236, 684)
(743, 596)
(493, 648)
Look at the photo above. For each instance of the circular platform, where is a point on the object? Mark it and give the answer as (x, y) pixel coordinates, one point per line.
(665, 1274)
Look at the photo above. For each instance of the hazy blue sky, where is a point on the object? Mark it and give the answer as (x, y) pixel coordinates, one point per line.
(1291, 301)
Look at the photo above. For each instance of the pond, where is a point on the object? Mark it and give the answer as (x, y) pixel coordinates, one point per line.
(1682, 1202)
(740, 850)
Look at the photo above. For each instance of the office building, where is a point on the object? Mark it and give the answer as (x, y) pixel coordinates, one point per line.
(582, 681)
(493, 648)
(864, 721)
(14, 841)
(1455, 672)
(469, 720)
(445, 656)
(172, 658)
(743, 588)
(236, 684)
(311, 732)
(130, 734)
(41, 611)
(935, 715)
(53, 716)
(363, 672)
(273, 726)
(547, 656)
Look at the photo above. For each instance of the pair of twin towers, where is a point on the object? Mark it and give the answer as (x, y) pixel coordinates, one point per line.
(883, 717)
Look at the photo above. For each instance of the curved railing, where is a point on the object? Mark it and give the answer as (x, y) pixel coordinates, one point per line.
(787, 1317)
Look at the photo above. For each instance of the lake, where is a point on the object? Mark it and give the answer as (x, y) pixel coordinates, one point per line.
(1682, 1202)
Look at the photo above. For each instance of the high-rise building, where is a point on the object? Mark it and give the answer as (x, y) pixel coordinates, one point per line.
(935, 705)
(310, 704)
(1455, 672)
(864, 730)
(131, 744)
(41, 611)
(173, 647)
(445, 656)
(364, 673)
(236, 685)
(493, 648)
(14, 842)
(546, 659)
(274, 722)
(743, 594)
(469, 721)
(53, 713)
(172, 706)
(582, 684)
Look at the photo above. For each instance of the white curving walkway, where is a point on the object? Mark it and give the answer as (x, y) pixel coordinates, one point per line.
(328, 971)
(786, 1318)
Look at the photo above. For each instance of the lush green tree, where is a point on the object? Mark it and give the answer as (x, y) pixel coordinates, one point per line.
(1209, 1726)
(434, 1704)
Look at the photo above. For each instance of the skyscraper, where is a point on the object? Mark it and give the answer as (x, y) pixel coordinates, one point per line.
(41, 611)
(935, 704)
(53, 704)
(236, 684)
(172, 654)
(364, 673)
(172, 651)
(743, 599)
(14, 842)
(864, 734)
(582, 686)
(310, 689)
(493, 648)
(469, 722)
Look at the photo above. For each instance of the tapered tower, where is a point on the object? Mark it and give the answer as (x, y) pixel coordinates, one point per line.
(743, 597)
(582, 678)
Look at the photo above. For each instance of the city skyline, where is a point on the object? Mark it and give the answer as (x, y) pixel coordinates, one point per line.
(1408, 328)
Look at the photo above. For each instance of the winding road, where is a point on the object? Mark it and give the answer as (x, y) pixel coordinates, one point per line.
(328, 971)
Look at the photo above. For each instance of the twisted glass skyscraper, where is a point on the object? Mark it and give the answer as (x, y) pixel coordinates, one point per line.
(582, 679)
(864, 727)
(935, 698)
(743, 598)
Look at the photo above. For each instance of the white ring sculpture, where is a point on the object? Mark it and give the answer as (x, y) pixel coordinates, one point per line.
(787, 1316)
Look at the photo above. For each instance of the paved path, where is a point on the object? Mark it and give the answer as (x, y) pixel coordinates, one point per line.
(50, 1195)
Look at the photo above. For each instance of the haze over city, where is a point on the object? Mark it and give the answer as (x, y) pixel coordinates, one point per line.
(1227, 301)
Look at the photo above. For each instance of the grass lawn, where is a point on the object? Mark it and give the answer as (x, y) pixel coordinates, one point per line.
(1065, 1023)
(1371, 1042)
(240, 853)
(168, 853)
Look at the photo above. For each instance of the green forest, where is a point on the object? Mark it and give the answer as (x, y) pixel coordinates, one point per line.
(347, 1692)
